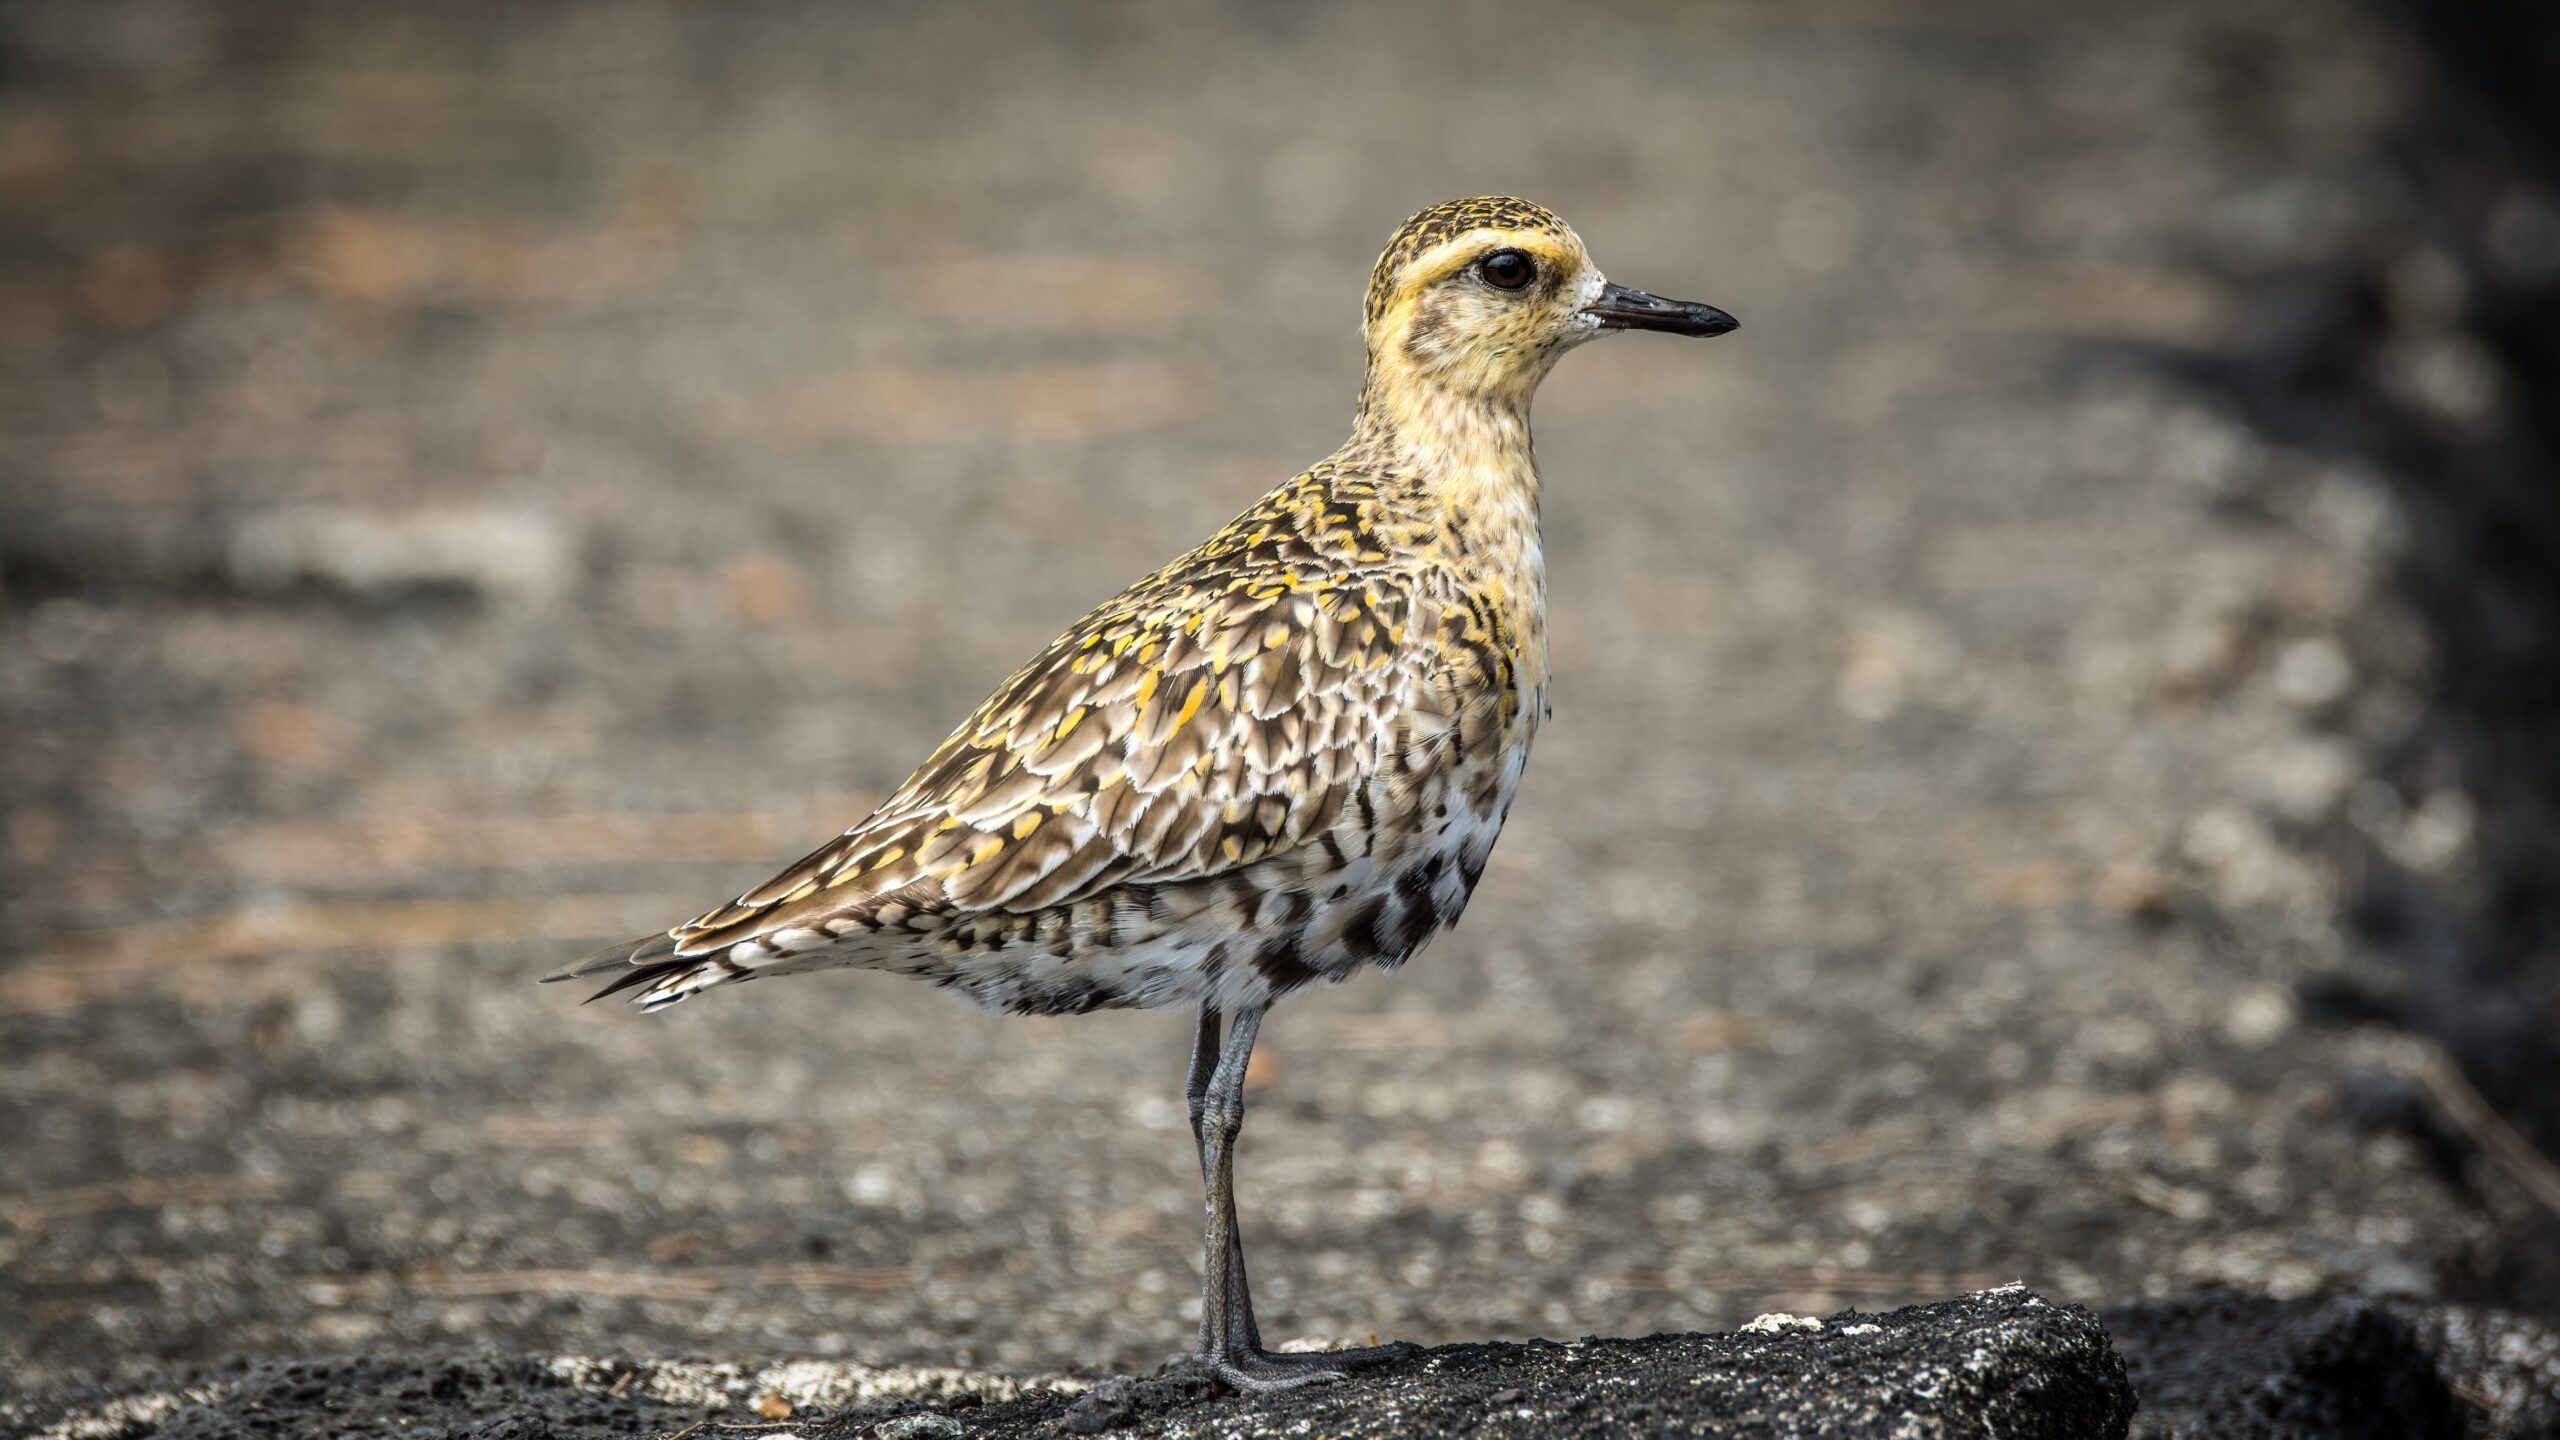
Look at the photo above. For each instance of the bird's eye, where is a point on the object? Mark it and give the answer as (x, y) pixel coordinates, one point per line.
(1507, 269)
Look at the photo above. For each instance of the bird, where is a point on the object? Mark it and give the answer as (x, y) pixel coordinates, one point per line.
(1281, 758)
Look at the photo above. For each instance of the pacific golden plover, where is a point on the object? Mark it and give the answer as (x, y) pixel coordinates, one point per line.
(1282, 757)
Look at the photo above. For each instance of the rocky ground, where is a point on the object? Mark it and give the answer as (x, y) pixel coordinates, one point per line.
(2003, 1362)
(2005, 1358)
(2046, 781)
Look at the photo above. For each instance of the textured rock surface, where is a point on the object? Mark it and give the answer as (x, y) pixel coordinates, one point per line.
(2237, 1368)
(2003, 1363)
(2223, 1365)
(2240, 1367)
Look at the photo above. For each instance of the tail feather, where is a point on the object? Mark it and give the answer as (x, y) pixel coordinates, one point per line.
(642, 975)
(647, 950)
(649, 958)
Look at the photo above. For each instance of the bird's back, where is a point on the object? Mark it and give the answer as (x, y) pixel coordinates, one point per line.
(1281, 757)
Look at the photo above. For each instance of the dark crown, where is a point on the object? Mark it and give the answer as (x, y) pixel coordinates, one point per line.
(1441, 222)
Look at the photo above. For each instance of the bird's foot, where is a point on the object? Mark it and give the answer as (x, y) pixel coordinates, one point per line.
(1251, 1370)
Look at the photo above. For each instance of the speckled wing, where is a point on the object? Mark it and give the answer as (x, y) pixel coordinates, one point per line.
(1195, 725)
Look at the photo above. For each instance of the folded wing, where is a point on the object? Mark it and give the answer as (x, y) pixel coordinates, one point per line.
(1177, 733)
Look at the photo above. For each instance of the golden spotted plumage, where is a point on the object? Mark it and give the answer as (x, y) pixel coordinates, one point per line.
(1282, 757)
(1265, 738)
(1214, 745)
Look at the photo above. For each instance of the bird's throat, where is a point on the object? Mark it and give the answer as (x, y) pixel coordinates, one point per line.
(1467, 451)
(1465, 477)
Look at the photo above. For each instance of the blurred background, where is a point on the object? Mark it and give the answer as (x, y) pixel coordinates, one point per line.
(2053, 762)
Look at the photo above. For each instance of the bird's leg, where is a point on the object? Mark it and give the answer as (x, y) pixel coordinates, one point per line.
(1204, 1063)
(1219, 1268)
(1230, 1342)
(1205, 1045)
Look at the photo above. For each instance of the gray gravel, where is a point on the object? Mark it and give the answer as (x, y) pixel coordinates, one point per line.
(476, 485)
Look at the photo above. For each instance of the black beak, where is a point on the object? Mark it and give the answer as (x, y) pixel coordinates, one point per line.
(1620, 308)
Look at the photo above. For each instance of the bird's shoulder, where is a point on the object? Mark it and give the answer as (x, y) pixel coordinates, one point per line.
(1219, 711)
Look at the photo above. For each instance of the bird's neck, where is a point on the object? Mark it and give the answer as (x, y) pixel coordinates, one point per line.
(1460, 467)
(1465, 452)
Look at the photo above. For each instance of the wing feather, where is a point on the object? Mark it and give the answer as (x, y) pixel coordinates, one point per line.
(1180, 732)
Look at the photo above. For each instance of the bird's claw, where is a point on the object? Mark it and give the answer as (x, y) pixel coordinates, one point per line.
(1257, 1371)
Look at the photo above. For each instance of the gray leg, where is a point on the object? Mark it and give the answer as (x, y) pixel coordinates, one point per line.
(1205, 1045)
(1230, 1342)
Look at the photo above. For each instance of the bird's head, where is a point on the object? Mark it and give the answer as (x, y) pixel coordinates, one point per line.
(1477, 299)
